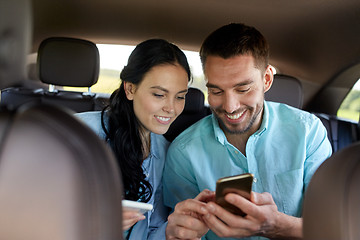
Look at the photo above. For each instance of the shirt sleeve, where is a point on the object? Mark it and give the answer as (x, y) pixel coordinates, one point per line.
(93, 121)
(318, 149)
(178, 178)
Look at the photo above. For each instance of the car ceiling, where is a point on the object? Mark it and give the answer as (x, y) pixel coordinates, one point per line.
(314, 41)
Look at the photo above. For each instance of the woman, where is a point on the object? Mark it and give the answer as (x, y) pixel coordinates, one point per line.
(150, 97)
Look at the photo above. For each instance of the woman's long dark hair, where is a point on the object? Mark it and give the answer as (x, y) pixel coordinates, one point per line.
(123, 128)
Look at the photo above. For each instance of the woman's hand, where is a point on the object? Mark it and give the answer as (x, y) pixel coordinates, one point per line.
(130, 218)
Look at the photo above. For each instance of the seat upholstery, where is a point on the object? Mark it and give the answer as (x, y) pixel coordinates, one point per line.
(15, 35)
(61, 62)
(285, 89)
(193, 111)
(331, 206)
(341, 132)
(58, 180)
(68, 62)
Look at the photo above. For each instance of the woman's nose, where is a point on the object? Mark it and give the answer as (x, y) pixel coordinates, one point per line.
(169, 107)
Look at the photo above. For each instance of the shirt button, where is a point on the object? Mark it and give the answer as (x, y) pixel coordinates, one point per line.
(236, 152)
(255, 180)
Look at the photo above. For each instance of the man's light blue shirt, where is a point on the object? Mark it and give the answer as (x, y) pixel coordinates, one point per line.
(153, 227)
(283, 155)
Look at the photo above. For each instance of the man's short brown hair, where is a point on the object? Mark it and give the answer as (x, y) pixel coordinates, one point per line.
(236, 39)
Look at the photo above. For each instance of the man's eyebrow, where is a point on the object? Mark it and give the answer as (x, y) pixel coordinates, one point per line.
(209, 85)
(247, 82)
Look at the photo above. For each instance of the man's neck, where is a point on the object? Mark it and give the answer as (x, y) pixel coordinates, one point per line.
(238, 140)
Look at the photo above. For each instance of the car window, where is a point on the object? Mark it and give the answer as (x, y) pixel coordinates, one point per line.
(350, 107)
(114, 57)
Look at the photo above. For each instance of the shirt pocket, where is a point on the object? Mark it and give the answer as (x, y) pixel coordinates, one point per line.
(290, 186)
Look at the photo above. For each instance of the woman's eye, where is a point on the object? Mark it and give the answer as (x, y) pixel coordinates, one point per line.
(181, 97)
(158, 95)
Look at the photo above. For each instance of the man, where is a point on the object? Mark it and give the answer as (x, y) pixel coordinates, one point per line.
(280, 145)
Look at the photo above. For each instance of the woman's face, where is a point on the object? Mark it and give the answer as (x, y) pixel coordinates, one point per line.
(159, 98)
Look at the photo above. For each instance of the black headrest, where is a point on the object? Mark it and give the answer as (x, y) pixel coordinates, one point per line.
(15, 36)
(194, 100)
(285, 89)
(68, 62)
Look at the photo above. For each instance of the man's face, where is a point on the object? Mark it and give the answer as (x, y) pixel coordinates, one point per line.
(236, 92)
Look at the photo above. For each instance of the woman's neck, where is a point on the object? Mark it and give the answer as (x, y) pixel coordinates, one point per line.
(146, 143)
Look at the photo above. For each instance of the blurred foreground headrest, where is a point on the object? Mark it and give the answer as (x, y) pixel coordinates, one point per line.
(15, 36)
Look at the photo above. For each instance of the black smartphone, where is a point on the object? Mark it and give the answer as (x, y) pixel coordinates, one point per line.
(239, 184)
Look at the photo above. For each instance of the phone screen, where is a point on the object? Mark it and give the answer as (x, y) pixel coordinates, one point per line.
(239, 184)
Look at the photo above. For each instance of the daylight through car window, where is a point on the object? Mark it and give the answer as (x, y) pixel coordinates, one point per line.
(350, 107)
(114, 57)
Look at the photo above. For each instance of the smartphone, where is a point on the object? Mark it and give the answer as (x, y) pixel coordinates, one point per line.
(136, 206)
(240, 184)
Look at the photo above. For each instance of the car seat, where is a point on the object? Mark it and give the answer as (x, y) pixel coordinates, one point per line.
(194, 110)
(58, 180)
(286, 89)
(61, 62)
(331, 204)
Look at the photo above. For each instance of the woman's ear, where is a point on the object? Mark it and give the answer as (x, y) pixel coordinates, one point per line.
(268, 78)
(129, 90)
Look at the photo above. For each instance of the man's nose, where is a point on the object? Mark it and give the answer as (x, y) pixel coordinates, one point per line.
(230, 103)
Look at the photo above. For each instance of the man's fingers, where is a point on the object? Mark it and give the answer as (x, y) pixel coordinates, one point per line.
(206, 196)
(225, 216)
(185, 226)
(191, 205)
(264, 198)
(186, 221)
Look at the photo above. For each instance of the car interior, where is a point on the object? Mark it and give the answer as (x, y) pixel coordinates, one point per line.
(314, 47)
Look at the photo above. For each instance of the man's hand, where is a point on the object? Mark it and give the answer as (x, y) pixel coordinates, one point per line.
(262, 219)
(186, 220)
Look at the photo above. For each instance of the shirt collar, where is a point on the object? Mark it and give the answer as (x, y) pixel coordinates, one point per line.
(265, 121)
(154, 150)
(220, 135)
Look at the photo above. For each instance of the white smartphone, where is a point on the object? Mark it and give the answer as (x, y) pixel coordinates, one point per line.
(137, 206)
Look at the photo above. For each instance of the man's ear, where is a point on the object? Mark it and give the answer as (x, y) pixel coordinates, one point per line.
(268, 78)
(129, 90)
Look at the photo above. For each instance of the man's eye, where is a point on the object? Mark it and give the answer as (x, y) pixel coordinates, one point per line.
(215, 92)
(243, 90)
